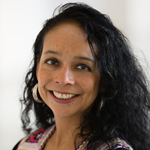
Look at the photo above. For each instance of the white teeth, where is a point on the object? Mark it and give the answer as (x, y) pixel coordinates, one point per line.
(63, 96)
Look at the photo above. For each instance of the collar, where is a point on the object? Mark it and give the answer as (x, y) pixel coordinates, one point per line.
(37, 139)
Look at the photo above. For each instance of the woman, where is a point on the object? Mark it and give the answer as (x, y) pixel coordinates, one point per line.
(86, 88)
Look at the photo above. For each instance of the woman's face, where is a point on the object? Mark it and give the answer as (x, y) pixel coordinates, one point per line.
(68, 78)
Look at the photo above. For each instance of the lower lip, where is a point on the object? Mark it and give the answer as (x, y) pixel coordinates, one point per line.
(63, 101)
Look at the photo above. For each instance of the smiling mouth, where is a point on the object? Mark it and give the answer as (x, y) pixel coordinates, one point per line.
(63, 96)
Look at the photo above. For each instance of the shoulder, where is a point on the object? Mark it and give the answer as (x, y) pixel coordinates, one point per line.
(115, 144)
(16, 146)
(36, 139)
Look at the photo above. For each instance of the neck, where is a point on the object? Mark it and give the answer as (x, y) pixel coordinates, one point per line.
(67, 128)
(66, 131)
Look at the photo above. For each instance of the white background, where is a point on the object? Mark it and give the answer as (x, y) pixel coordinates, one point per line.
(20, 22)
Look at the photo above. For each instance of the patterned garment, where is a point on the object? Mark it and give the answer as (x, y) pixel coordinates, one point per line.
(38, 139)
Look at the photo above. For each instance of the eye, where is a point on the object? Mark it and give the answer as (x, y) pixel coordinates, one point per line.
(83, 67)
(52, 62)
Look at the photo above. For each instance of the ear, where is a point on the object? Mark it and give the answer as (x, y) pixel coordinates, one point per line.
(102, 87)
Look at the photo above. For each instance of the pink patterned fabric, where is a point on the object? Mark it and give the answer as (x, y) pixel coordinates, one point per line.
(34, 138)
(38, 139)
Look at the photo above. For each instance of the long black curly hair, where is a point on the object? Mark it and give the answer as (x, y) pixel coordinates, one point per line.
(121, 108)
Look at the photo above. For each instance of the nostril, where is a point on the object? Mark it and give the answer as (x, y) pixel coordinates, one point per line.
(64, 79)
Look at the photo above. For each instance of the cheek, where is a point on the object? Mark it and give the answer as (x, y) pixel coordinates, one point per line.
(90, 84)
(43, 77)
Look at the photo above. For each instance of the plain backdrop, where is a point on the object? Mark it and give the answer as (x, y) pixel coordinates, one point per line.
(20, 22)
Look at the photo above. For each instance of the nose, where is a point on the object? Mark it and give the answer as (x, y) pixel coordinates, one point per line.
(64, 77)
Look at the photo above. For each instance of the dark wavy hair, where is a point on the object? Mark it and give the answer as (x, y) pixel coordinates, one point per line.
(121, 108)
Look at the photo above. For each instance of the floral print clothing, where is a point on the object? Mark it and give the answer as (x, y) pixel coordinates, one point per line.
(38, 139)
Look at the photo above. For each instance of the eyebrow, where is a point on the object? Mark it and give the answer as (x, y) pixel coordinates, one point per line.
(84, 58)
(52, 52)
(76, 57)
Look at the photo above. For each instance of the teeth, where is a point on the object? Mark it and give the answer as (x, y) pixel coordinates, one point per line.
(63, 96)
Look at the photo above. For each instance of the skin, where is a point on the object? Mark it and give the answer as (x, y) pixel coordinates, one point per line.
(67, 66)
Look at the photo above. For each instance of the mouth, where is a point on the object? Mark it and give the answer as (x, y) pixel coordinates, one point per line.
(63, 97)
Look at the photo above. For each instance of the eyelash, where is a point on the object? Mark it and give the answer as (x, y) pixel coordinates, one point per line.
(55, 62)
(84, 66)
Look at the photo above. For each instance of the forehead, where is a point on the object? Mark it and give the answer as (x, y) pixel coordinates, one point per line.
(69, 28)
(67, 36)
